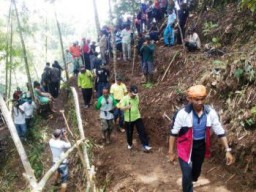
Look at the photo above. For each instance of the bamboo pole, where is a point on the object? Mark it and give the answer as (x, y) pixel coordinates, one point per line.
(10, 64)
(113, 39)
(49, 173)
(23, 156)
(97, 22)
(24, 50)
(90, 172)
(7, 52)
(62, 47)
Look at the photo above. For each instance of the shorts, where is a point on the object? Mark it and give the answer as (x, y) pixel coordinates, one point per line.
(63, 171)
(106, 124)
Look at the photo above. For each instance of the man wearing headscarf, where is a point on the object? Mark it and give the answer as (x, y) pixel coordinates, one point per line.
(191, 128)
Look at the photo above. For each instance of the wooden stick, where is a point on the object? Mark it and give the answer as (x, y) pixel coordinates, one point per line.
(66, 122)
(232, 176)
(169, 65)
(211, 170)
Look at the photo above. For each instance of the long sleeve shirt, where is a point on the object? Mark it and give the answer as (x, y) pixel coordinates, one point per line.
(147, 52)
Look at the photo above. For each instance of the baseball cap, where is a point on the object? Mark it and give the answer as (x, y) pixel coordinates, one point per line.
(134, 89)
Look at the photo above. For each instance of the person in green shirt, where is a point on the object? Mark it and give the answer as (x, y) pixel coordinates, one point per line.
(130, 105)
(85, 83)
(106, 104)
(147, 51)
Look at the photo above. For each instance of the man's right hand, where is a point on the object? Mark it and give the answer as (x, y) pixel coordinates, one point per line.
(172, 157)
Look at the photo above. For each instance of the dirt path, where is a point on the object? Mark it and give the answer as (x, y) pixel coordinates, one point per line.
(120, 169)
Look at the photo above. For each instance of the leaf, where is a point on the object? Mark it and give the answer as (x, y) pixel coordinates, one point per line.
(239, 73)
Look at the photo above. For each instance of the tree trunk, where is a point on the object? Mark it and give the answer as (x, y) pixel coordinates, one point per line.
(10, 64)
(24, 51)
(133, 32)
(46, 38)
(23, 156)
(97, 22)
(113, 38)
(7, 53)
(62, 47)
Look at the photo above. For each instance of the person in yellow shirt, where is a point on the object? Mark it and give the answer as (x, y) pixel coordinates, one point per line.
(85, 83)
(118, 90)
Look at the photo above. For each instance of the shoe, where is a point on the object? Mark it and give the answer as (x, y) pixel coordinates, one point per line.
(86, 106)
(129, 147)
(147, 148)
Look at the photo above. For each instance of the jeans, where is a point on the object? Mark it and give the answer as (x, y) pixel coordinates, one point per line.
(191, 171)
(169, 34)
(140, 129)
(118, 113)
(21, 129)
(147, 67)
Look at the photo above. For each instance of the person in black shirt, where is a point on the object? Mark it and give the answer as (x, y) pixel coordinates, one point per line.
(102, 79)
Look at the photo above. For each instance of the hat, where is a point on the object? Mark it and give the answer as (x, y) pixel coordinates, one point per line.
(134, 89)
(57, 133)
(197, 91)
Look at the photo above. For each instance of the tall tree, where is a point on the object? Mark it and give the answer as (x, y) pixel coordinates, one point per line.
(23, 48)
(11, 62)
(97, 22)
(7, 52)
(113, 37)
(61, 44)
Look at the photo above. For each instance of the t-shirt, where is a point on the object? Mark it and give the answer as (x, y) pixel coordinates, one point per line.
(75, 51)
(29, 109)
(85, 80)
(18, 115)
(106, 105)
(58, 148)
(102, 75)
(55, 74)
(133, 114)
(171, 18)
(126, 36)
(118, 91)
(147, 52)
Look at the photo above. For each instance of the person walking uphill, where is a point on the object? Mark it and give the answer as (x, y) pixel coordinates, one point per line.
(85, 82)
(147, 52)
(106, 104)
(130, 105)
(119, 90)
(191, 129)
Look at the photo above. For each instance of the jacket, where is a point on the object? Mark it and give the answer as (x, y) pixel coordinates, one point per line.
(183, 129)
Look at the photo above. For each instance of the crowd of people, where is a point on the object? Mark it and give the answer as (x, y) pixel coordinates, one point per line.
(119, 105)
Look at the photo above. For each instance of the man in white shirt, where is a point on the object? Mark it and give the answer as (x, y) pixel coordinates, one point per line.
(192, 42)
(29, 108)
(19, 120)
(126, 35)
(59, 144)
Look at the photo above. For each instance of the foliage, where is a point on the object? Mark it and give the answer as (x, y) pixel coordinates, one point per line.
(249, 4)
(253, 111)
(123, 7)
(245, 72)
(36, 146)
(209, 27)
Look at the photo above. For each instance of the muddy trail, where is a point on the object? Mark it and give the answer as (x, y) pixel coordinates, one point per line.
(120, 169)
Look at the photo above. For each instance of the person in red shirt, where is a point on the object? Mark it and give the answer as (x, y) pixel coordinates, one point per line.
(76, 55)
(17, 94)
(85, 52)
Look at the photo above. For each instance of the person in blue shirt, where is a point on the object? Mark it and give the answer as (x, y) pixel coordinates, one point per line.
(169, 30)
